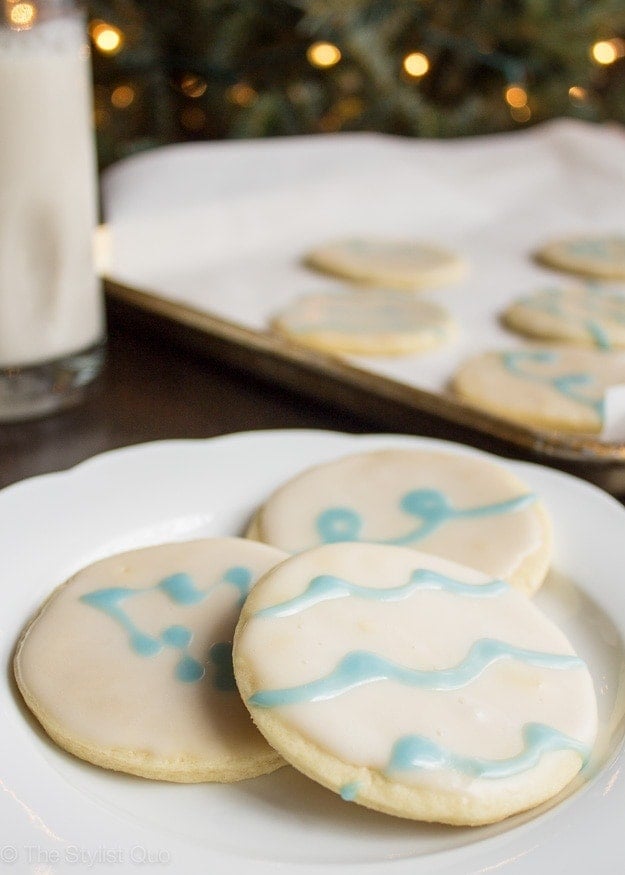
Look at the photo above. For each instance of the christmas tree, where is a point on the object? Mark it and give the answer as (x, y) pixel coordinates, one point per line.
(199, 69)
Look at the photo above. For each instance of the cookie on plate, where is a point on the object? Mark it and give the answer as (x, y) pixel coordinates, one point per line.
(458, 506)
(367, 322)
(559, 389)
(399, 264)
(595, 255)
(413, 685)
(129, 664)
(581, 315)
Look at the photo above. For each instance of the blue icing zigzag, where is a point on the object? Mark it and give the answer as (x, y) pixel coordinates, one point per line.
(181, 589)
(430, 506)
(565, 384)
(415, 752)
(362, 667)
(327, 586)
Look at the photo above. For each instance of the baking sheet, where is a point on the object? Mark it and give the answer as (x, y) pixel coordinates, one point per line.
(220, 229)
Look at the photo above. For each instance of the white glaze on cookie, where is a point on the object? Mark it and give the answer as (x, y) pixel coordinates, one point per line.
(397, 263)
(459, 507)
(589, 255)
(401, 665)
(369, 322)
(586, 315)
(552, 388)
(129, 663)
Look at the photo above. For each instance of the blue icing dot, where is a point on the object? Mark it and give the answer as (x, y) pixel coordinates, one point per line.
(144, 645)
(181, 589)
(339, 524)
(241, 578)
(177, 636)
(189, 670)
(426, 503)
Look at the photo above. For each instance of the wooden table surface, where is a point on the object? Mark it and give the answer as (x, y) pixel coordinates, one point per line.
(152, 389)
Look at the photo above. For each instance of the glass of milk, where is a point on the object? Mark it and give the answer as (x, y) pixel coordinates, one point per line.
(51, 310)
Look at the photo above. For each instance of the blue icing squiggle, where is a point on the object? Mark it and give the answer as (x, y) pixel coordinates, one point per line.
(430, 506)
(181, 589)
(327, 586)
(415, 752)
(107, 601)
(362, 667)
(592, 305)
(565, 384)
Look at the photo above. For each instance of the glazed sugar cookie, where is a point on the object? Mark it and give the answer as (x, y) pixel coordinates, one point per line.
(556, 389)
(461, 507)
(588, 255)
(583, 315)
(402, 264)
(128, 664)
(413, 685)
(369, 322)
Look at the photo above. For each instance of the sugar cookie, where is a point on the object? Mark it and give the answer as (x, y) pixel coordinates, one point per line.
(369, 322)
(588, 255)
(554, 389)
(582, 315)
(402, 264)
(413, 685)
(457, 506)
(128, 664)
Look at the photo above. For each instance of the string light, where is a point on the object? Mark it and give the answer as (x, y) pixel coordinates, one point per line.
(607, 51)
(122, 96)
(578, 94)
(193, 86)
(349, 107)
(516, 96)
(22, 15)
(107, 38)
(241, 94)
(323, 54)
(416, 64)
(521, 114)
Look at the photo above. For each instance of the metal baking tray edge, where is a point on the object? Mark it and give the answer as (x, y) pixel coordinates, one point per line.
(337, 381)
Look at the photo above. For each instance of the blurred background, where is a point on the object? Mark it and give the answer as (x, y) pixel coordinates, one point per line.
(206, 69)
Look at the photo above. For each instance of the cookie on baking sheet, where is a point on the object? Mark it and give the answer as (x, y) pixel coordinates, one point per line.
(413, 685)
(559, 389)
(367, 322)
(459, 506)
(596, 255)
(128, 665)
(402, 264)
(581, 315)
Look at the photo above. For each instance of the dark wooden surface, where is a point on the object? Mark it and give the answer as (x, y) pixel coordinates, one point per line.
(153, 389)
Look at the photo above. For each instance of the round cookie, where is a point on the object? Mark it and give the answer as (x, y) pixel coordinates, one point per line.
(128, 665)
(583, 315)
(369, 322)
(399, 264)
(460, 507)
(588, 254)
(559, 389)
(413, 685)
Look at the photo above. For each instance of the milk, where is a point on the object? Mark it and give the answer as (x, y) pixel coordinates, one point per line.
(50, 301)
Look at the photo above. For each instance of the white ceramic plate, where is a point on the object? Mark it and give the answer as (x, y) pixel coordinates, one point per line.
(60, 814)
